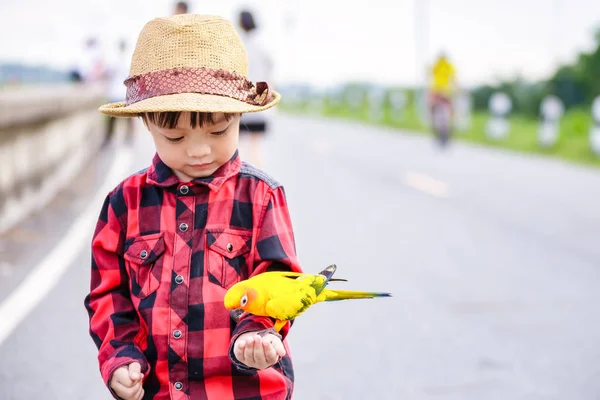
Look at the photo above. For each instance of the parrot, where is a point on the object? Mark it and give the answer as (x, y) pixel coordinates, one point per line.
(285, 295)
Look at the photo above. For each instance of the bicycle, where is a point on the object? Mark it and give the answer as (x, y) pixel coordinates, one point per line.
(441, 118)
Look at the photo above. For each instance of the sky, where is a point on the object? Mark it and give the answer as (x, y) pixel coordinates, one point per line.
(327, 42)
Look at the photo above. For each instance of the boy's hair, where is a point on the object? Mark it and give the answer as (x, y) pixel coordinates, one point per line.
(169, 119)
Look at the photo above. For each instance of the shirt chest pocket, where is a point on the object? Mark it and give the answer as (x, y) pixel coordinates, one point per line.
(227, 256)
(144, 260)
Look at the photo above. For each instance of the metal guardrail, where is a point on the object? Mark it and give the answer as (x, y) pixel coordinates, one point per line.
(46, 135)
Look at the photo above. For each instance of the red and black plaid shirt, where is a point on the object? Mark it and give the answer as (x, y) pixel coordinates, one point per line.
(163, 255)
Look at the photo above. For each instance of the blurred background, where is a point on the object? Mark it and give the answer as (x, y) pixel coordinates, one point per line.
(453, 147)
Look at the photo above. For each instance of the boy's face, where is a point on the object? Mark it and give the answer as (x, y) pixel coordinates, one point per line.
(196, 152)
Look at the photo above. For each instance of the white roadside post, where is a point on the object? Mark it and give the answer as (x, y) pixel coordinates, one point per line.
(316, 104)
(305, 97)
(297, 97)
(497, 127)
(421, 104)
(376, 99)
(463, 112)
(397, 101)
(595, 131)
(551, 109)
(292, 97)
(336, 97)
(354, 99)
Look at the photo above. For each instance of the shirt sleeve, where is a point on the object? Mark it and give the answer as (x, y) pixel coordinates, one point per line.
(114, 323)
(275, 249)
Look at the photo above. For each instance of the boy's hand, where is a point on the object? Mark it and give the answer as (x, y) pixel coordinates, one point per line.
(258, 352)
(126, 381)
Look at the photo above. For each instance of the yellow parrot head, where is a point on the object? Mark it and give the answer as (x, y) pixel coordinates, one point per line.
(238, 297)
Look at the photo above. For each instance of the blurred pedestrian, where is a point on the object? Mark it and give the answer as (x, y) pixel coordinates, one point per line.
(172, 238)
(181, 7)
(253, 126)
(91, 66)
(118, 71)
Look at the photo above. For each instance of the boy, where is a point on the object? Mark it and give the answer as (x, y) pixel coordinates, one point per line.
(172, 238)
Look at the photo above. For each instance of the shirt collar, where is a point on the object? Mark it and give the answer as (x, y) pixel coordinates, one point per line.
(160, 174)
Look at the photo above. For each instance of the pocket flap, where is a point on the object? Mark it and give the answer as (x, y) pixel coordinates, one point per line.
(145, 249)
(229, 243)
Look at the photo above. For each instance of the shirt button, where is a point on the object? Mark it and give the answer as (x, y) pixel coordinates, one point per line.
(184, 189)
(183, 227)
(177, 334)
(144, 254)
(178, 385)
(179, 279)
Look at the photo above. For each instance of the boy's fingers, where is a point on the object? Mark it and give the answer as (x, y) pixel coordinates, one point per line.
(241, 344)
(139, 393)
(259, 353)
(279, 348)
(136, 390)
(121, 376)
(125, 392)
(118, 388)
(238, 350)
(135, 371)
(270, 353)
(249, 352)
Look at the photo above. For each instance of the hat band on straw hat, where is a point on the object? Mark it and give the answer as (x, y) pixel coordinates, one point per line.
(196, 80)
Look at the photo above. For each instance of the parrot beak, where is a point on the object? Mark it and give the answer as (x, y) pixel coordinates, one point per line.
(236, 314)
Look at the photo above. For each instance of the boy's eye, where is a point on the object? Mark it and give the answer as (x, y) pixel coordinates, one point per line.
(218, 133)
(174, 140)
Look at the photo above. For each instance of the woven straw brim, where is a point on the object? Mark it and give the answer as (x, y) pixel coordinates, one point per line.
(193, 102)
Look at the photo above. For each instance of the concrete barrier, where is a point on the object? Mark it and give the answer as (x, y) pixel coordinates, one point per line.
(47, 134)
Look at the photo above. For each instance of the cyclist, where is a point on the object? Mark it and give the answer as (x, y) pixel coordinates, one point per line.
(443, 86)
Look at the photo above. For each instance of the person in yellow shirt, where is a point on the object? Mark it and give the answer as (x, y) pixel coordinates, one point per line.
(443, 86)
(443, 77)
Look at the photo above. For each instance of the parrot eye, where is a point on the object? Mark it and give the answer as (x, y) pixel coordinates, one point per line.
(244, 300)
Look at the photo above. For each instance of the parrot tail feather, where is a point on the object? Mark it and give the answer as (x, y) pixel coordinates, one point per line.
(335, 295)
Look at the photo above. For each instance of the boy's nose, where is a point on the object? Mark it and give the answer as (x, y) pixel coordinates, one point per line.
(198, 150)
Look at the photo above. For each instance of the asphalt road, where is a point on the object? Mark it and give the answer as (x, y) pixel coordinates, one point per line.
(492, 258)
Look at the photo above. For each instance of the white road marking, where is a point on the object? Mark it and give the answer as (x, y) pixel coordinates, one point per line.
(426, 184)
(48, 272)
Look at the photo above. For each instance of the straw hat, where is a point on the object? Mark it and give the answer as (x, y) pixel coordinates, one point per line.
(190, 62)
